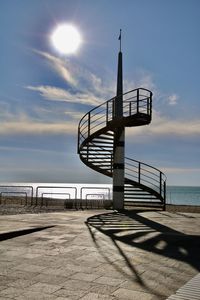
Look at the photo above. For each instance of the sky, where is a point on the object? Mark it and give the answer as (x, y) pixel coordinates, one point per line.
(43, 94)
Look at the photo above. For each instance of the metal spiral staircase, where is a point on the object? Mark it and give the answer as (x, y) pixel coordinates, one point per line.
(143, 185)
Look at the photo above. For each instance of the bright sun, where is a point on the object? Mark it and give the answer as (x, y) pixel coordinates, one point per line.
(66, 39)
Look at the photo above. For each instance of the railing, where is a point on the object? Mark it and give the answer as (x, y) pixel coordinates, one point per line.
(134, 102)
(65, 196)
(22, 192)
(146, 175)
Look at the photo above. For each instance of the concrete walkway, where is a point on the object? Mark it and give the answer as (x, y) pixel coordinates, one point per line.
(97, 255)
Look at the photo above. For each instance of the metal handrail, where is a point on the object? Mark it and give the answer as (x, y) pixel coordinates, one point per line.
(137, 101)
(160, 177)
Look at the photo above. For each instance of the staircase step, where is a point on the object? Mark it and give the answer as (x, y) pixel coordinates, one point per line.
(102, 144)
(143, 203)
(144, 194)
(139, 198)
(94, 152)
(103, 138)
(138, 195)
(100, 158)
(93, 147)
(136, 192)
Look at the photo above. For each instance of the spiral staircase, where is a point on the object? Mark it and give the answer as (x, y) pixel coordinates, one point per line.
(144, 185)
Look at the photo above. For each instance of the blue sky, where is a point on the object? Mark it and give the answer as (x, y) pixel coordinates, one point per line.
(44, 94)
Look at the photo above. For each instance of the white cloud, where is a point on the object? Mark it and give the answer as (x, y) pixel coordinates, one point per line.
(143, 80)
(163, 126)
(87, 88)
(23, 127)
(172, 99)
(74, 114)
(80, 78)
(58, 94)
(23, 124)
(60, 66)
(172, 170)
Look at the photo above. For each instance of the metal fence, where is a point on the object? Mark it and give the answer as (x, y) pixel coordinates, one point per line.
(66, 196)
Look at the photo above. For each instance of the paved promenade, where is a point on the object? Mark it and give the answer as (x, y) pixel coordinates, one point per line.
(103, 255)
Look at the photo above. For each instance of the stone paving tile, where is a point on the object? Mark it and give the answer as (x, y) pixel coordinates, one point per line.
(50, 278)
(109, 270)
(63, 272)
(70, 268)
(102, 289)
(94, 256)
(35, 296)
(126, 294)
(66, 293)
(21, 283)
(94, 296)
(85, 276)
(109, 280)
(5, 280)
(61, 298)
(44, 288)
(19, 274)
(3, 287)
(29, 268)
(11, 292)
(77, 285)
(134, 285)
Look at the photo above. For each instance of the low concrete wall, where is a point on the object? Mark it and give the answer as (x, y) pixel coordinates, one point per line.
(183, 208)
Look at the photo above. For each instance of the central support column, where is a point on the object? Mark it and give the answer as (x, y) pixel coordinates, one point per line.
(119, 137)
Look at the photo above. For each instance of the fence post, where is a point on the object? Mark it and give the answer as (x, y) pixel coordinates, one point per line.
(107, 113)
(138, 97)
(88, 135)
(88, 124)
(164, 196)
(139, 171)
(148, 106)
(113, 108)
(78, 139)
(150, 103)
(161, 183)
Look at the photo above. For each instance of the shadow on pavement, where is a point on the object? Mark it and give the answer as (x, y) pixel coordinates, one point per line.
(136, 231)
(14, 234)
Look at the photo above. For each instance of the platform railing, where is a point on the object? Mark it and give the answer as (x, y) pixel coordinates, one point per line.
(134, 102)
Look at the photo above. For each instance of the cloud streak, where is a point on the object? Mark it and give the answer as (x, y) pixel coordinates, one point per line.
(173, 170)
(59, 94)
(163, 126)
(79, 78)
(60, 66)
(25, 125)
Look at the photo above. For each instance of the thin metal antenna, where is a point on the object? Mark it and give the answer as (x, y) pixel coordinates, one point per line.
(120, 40)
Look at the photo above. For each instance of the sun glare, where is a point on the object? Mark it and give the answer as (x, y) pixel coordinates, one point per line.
(66, 39)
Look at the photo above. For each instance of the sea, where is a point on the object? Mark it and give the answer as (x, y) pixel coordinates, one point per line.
(183, 195)
(180, 195)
